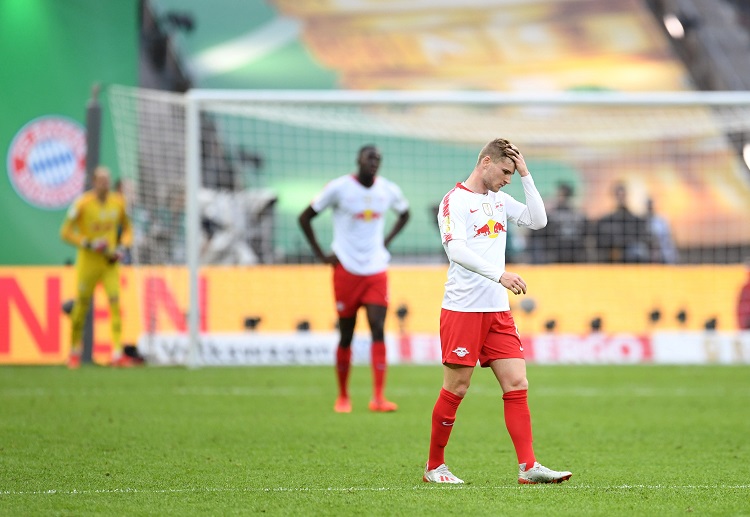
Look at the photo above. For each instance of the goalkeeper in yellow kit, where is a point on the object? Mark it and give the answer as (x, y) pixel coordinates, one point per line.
(98, 225)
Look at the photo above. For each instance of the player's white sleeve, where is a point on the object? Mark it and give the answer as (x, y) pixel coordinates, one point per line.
(399, 203)
(327, 196)
(460, 253)
(532, 214)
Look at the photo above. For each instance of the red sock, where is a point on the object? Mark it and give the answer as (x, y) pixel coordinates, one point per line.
(343, 364)
(443, 417)
(518, 422)
(378, 368)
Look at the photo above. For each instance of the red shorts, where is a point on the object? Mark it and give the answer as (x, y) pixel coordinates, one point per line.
(354, 291)
(468, 337)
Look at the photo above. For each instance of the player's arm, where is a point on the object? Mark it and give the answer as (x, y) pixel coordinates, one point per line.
(403, 218)
(532, 214)
(400, 205)
(126, 226)
(305, 222)
(70, 235)
(70, 230)
(462, 255)
(124, 236)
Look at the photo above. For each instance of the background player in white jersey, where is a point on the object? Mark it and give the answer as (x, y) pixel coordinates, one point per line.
(360, 259)
(475, 320)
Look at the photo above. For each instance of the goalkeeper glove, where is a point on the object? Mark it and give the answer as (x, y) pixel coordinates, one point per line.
(99, 245)
(117, 255)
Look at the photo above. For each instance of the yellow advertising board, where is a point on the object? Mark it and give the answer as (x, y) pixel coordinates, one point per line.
(34, 329)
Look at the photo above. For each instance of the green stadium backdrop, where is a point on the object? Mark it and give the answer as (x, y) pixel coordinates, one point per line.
(52, 53)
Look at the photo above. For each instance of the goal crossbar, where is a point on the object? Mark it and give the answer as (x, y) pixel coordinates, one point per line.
(679, 98)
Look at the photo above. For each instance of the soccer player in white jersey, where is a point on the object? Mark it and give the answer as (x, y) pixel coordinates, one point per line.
(360, 259)
(475, 321)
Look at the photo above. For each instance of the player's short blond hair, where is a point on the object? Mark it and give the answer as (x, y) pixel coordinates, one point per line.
(102, 170)
(496, 150)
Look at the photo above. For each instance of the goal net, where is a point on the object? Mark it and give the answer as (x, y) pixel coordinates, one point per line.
(217, 179)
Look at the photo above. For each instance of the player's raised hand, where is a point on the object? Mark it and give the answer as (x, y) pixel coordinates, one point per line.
(513, 283)
(515, 155)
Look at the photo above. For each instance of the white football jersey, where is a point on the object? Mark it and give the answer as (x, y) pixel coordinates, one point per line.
(359, 220)
(482, 221)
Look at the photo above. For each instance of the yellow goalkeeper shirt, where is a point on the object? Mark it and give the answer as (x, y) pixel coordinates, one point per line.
(89, 220)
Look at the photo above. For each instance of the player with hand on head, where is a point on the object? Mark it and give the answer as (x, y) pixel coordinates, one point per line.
(95, 222)
(475, 321)
(360, 258)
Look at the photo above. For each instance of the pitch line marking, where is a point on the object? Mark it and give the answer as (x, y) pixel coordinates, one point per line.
(360, 489)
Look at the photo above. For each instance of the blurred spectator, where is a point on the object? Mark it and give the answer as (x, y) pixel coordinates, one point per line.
(164, 230)
(224, 224)
(565, 234)
(743, 303)
(622, 236)
(663, 250)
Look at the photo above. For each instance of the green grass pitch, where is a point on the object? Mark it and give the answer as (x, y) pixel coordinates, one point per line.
(640, 440)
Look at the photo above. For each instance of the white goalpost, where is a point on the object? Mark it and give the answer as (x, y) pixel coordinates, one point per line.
(216, 179)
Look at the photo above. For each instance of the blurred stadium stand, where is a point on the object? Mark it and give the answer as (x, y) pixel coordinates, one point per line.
(714, 40)
(161, 66)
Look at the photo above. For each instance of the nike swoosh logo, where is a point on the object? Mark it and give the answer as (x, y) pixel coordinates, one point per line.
(472, 211)
(447, 424)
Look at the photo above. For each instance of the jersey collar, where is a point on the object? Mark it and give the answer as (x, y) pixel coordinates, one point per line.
(467, 189)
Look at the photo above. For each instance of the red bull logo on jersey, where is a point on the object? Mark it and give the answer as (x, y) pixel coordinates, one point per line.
(491, 229)
(47, 162)
(367, 215)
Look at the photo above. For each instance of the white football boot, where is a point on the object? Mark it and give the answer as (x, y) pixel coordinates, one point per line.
(540, 474)
(440, 474)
